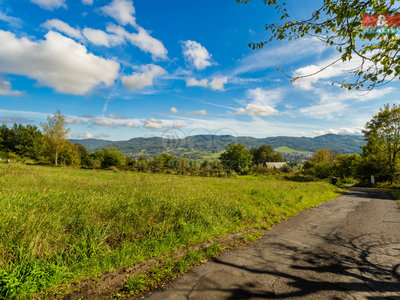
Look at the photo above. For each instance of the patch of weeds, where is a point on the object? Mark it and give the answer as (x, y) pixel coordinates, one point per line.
(168, 270)
(253, 236)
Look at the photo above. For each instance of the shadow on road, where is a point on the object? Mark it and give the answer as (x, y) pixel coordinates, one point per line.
(341, 264)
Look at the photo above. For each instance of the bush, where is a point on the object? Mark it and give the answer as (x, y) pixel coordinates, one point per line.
(323, 170)
(112, 157)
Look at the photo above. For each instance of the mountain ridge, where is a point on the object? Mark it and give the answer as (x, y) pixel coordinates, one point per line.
(216, 143)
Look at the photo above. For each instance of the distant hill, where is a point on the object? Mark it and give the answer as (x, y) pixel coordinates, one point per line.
(193, 146)
(92, 144)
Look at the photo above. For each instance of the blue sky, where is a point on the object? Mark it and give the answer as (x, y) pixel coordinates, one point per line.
(119, 69)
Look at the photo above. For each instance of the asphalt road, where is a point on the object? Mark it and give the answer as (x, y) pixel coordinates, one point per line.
(348, 248)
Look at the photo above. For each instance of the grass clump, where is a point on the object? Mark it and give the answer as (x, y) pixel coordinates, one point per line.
(58, 225)
(170, 269)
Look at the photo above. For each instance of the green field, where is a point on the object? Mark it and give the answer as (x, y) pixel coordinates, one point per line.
(59, 225)
(285, 149)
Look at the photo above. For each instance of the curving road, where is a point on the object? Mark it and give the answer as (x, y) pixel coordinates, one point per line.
(348, 248)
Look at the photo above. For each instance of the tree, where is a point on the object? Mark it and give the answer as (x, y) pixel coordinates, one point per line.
(347, 165)
(337, 23)
(237, 158)
(55, 132)
(382, 134)
(25, 141)
(113, 157)
(264, 154)
(324, 155)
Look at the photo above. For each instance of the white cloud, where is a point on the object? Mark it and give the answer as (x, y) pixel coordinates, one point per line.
(87, 2)
(62, 27)
(325, 111)
(257, 127)
(130, 124)
(195, 82)
(88, 135)
(117, 117)
(257, 110)
(122, 11)
(218, 83)
(196, 54)
(173, 110)
(152, 123)
(142, 39)
(10, 20)
(101, 38)
(342, 130)
(340, 68)
(178, 124)
(81, 135)
(73, 120)
(144, 78)
(6, 89)
(50, 4)
(335, 104)
(57, 61)
(201, 112)
(103, 122)
(280, 56)
(17, 120)
(261, 103)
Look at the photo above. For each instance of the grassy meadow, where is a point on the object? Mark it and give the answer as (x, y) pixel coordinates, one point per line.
(59, 225)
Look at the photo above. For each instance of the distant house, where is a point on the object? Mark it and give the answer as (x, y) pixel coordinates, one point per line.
(275, 165)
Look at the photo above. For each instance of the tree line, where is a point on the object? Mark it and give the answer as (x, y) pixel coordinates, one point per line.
(50, 146)
(379, 156)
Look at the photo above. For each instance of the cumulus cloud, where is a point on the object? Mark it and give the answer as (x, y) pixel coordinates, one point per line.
(114, 124)
(50, 4)
(201, 112)
(103, 122)
(6, 89)
(62, 27)
(321, 72)
(117, 117)
(101, 38)
(88, 135)
(57, 61)
(173, 110)
(122, 11)
(195, 82)
(129, 124)
(196, 54)
(261, 103)
(343, 130)
(142, 39)
(81, 135)
(152, 123)
(144, 78)
(218, 83)
(257, 110)
(178, 124)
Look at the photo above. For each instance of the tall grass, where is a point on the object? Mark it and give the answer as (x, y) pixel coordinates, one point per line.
(60, 224)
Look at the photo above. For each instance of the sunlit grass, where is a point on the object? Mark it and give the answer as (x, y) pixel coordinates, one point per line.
(60, 224)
